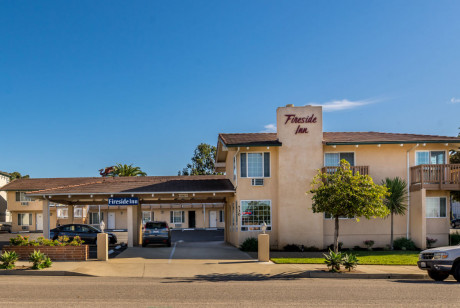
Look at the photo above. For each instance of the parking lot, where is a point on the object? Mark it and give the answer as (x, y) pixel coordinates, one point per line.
(177, 236)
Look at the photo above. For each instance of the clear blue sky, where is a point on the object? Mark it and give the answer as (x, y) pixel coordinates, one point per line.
(86, 84)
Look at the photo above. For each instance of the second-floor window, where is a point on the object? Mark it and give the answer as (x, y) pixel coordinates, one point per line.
(430, 157)
(333, 159)
(21, 197)
(255, 165)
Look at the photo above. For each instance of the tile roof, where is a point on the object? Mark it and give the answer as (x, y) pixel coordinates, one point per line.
(263, 139)
(250, 139)
(375, 137)
(148, 184)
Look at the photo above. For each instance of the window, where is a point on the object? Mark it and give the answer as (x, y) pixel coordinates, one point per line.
(94, 218)
(255, 165)
(430, 157)
(69, 228)
(221, 216)
(146, 216)
(78, 212)
(21, 197)
(255, 213)
(333, 159)
(436, 207)
(177, 217)
(62, 212)
(24, 219)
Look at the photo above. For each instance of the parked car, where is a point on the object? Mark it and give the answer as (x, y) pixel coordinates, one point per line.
(86, 232)
(156, 232)
(5, 226)
(455, 223)
(441, 262)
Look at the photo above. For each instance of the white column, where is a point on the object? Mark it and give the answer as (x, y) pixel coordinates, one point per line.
(130, 226)
(46, 219)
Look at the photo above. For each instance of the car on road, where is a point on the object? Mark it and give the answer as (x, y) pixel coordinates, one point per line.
(156, 232)
(5, 226)
(441, 262)
(86, 232)
(455, 223)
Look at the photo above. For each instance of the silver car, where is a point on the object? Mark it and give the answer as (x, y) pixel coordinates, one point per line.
(156, 232)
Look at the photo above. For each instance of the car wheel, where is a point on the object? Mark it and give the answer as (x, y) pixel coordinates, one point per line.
(456, 272)
(144, 244)
(438, 275)
(168, 244)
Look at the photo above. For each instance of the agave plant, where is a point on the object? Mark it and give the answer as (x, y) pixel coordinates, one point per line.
(39, 260)
(8, 258)
(350, 261)
(333, 260)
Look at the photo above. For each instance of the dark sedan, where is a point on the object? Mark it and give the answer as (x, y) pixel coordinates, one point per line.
(86, 232)
(455, 223)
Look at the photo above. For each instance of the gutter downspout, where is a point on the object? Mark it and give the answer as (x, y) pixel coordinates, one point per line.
(236, 162)
(408, 190)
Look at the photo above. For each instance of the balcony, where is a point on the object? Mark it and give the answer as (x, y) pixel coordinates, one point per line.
(363, 170)
(435, 177)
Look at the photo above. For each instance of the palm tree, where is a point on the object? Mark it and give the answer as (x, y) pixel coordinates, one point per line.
(396, 201)
(126, 170)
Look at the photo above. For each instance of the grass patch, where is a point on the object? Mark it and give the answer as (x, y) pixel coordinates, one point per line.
(364, 257)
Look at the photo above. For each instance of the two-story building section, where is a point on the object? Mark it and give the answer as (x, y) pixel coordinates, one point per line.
(272, 173)
(4, 213)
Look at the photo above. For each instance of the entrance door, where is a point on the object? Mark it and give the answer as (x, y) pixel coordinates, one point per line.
(212, 219)
(39, 221)
(111, 221)
(191, 219)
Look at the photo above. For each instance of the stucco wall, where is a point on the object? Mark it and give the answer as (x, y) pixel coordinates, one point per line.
(439, 228)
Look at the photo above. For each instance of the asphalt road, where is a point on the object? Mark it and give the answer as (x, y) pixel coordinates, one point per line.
(233, 291)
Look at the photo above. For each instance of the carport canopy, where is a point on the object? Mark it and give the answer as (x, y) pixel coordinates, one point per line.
(150, 190)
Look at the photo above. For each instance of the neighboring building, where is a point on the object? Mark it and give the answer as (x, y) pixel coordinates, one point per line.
(272, 173)
(4, 213)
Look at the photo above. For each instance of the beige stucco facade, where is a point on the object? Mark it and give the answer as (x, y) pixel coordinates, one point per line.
(293, 166)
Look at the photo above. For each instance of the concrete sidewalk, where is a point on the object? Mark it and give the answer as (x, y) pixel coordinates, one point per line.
(214, 270)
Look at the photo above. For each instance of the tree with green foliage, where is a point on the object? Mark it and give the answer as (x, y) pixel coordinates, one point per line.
(203, 161)
(122, 170)
(396, 201)
(16, 175)
(344, 194)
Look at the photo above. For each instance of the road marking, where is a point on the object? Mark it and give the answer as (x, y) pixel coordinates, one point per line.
(172, 253)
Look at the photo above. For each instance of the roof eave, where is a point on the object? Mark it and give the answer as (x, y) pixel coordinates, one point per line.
(392, 142)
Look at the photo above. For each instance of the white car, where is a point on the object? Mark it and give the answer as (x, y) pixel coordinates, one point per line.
(441, 262)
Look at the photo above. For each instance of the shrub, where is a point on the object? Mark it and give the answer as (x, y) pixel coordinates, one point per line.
(455, 238)
(350, 261)
(430, 241)
(39, 260)
(311, 248)
(369, 244)
(19, 240)
(292, 247)
(77, 241)
(8, 259)
(250, 244)
(403, 243)
(333, 260)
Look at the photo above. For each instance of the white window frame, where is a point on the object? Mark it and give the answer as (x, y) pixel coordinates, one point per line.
(254, 227)
(98, 218)
(340, 217)
(29, 216)
(60, 211)
(263, 165)
(338, 152)
(78, 212)
(235, 169)
(439, 204)
(446, 156)
(150, 216)
(23, 197)
(174, 217)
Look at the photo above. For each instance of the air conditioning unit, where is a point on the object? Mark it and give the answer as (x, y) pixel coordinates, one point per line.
(257, 182)
(178, 225)
(25, 203)
(25, 228)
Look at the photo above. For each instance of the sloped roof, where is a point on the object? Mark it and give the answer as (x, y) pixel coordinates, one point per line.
(116, 185)
(265, 139)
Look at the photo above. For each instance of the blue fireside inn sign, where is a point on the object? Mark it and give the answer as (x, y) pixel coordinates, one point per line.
(124, 201)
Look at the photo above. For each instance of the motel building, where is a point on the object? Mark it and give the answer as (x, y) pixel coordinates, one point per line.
(265, 178)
